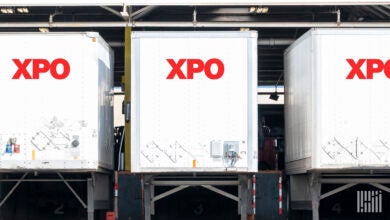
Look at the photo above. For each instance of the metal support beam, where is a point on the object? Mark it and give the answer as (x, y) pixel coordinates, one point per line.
(243, 189)
(116, 189)
(43, 180)
(91, 199)
(147, 182)
(142, 12)
(261, 42)
(337, 190)
(90, 206)
(169, 192)
(126, 80)
(355, 180)
(239, 192)
(115, 12)
(315, 190)
(13, 189)
(379, 186)
(221, 192)
(152, 206)
(78, 3)
(72, 190)
(275, 42)
(382, 11)
(195, 183)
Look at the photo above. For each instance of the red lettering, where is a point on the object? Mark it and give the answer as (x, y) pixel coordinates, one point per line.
(41, 66)
(176, 69)
(356, 69)
(220, 71)
(387, 69)
(22, 69)
(374, 66)
(191, 69)
(196, 66)
(65, 66)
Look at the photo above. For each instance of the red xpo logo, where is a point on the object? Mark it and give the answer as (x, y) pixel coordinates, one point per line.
(196, 66)
(41, 66)
(372, 66)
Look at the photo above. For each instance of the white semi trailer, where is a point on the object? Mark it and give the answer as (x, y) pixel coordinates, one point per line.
(337, 83)
(194, 111)
(56, 115)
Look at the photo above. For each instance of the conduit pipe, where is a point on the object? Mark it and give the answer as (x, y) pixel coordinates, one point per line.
(275, 42)
(262, 42)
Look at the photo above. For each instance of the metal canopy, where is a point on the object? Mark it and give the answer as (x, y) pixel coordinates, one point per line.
(179, 25)
(185, 2)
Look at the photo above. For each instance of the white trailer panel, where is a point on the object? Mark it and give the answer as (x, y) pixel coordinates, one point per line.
(56, 105)
(205, 121)
(336, 109)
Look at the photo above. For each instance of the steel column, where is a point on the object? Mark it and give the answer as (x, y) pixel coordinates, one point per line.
(152, 206)
(243, 188)
(91, 199)
(315, 190)
(126, 80)
(116, 188)
(147, 196)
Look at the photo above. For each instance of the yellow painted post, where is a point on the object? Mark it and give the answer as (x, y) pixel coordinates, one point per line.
(126, 80)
